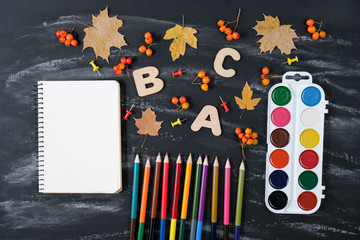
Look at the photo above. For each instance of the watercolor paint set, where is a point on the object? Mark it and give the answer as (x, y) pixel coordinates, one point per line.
(295, 123)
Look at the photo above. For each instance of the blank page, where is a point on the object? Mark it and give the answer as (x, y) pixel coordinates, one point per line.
(79, 124)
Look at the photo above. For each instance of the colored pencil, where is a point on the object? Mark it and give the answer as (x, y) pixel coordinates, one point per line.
(134, 196)
(164, 197)
(202, 199)
(175, 199)
(196, 198)
(155, 195)
(185, 201)
(144, 199)
(227, 199)
(239, 200)
(214, 201)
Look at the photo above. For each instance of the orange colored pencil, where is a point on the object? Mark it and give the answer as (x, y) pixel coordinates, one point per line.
(144, 196)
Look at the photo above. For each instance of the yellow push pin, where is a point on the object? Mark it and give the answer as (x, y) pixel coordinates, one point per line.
(291, 60)
(178, 122)
(95, 68)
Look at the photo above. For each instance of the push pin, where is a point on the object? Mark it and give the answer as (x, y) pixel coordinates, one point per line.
(224, 105)
(128, 113)
(291, 60)
(179, 73)
(178, 122)
(95, 68)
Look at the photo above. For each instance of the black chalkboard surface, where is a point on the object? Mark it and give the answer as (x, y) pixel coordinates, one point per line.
(30, 52)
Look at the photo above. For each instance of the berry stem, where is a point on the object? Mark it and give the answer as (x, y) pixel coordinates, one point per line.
(242, 113)
(237, 19)
(178, 107)
(275, 76)
(242, 149)
(193, 82)
(151, 45)
(229, 23)
(127, 71)
(320, 27)
(72, 29)
(81, 22)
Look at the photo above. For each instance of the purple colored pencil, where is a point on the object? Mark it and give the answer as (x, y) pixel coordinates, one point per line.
(202, 199)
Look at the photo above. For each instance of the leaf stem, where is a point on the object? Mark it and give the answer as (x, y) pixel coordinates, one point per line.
(242, 113)
(142, 145)
(81, 22)
(183, 21)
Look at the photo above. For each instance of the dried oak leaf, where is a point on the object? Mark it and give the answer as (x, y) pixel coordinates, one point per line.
(246, 102)
(181, 36)
(104, 34)
(275, 35)
(147, 124)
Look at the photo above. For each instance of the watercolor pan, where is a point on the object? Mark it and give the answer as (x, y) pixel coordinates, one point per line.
(295, 123)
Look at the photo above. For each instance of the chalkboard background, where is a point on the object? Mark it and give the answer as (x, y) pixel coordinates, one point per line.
(30, 51)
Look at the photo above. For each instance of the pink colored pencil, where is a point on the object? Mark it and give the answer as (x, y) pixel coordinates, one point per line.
(227, 199)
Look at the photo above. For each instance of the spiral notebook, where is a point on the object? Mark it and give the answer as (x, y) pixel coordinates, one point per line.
(79, 137)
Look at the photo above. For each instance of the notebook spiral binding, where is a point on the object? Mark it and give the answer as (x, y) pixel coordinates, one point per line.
(40, 135)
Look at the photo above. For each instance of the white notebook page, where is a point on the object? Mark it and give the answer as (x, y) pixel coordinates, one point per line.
(82, 137)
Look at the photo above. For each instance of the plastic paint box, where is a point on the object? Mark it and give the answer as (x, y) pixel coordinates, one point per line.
(295, 123)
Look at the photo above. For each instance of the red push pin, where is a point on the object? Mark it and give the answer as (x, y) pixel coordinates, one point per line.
(224, 105)
(178, 73)
(128, 113)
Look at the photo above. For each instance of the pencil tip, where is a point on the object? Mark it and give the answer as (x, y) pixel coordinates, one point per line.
(137, 158)
(178, 159)
(242, 165)
(189, 158)
(166, 159)
(199, 161)
(227, 165)
(216, 162)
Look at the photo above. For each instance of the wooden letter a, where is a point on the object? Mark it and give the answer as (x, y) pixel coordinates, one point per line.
(213, 123)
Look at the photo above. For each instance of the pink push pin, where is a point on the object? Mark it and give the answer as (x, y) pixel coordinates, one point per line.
(128, 113)
(224, 105)
(178, 73)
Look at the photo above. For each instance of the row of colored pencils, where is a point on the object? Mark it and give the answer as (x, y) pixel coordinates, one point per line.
(198, 200)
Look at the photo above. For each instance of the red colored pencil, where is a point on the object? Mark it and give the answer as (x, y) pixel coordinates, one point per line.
(164, 197)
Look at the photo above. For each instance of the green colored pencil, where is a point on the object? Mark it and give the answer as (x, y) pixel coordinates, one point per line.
(239, 200)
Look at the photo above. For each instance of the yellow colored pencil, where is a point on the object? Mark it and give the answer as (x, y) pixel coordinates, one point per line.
(185, 200)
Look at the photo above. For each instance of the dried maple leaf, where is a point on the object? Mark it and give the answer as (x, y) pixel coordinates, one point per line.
(246, 102)
(147, 124)
(275, 35)
(104, 34)
(181, 36)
